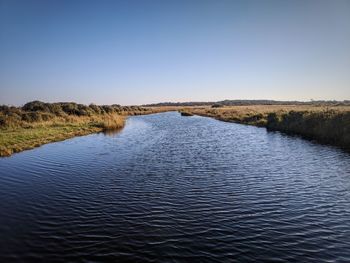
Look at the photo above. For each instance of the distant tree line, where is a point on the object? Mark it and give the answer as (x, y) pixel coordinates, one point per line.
(252, 102)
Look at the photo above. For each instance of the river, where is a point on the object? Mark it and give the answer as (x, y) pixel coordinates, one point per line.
(168, 188)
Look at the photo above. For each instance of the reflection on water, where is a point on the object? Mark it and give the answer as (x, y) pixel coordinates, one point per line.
(171, 189)
(112, 132)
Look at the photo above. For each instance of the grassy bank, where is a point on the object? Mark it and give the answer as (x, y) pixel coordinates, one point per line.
(325, 124)
(17, 139)
(38, 123)
(185, 113)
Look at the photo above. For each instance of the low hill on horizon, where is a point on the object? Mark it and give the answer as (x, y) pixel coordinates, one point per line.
(251, 102)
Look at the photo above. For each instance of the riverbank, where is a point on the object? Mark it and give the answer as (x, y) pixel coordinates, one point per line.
(38, 123)
(330, 125)
(13, 140)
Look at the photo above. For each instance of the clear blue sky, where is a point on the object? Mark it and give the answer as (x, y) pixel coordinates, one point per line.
(135, 52)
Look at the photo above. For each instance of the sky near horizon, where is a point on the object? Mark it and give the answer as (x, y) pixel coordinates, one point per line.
(144, 51)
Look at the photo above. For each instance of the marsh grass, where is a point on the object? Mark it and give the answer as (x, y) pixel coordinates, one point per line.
(14, 140)
(322, 123)
(17, 139)
(111, 122)
(38, 123)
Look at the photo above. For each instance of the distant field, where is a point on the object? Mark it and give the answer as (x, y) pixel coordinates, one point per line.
(328, 124)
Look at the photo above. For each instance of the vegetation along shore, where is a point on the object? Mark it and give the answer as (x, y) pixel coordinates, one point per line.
(324, 123)
(38, 123)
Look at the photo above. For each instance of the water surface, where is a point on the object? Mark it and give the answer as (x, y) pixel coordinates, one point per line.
(177, 189)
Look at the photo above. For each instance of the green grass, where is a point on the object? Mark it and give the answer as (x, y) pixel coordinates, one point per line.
(25, 136)
(324, 124)
(20, 139)
(23, 130)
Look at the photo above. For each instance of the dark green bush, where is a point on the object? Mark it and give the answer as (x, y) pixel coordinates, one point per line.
(95, 109)
(36, 106)
(55, 108)
(37, 111)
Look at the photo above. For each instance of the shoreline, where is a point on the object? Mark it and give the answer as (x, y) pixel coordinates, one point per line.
(29, 136)
(329, 126)
(18, 140)
(325, 125)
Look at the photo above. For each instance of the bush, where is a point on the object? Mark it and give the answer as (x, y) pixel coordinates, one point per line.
(70, 108)
(95, 109)
(37, 111)
(35, 106)
(55, 108)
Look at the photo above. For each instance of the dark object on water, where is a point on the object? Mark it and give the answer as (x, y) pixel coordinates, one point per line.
(184, 113)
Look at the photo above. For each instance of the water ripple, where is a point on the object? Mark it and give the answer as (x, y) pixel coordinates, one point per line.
(174, 189)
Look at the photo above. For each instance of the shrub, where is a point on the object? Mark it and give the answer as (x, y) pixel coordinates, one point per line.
(35, 106)
(95, 109)
(55, 108)
(70, 108)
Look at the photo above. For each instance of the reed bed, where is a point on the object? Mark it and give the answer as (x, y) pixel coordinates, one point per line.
(324, 124)
(38, 123)
(31, 135)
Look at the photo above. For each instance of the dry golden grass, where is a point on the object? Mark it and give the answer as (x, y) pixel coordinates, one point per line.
(31, 135)
(22, 135)
(111, 122)
(325, 124)
(257, 114)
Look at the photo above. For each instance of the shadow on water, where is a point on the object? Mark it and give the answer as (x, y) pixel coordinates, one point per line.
(112, 132)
